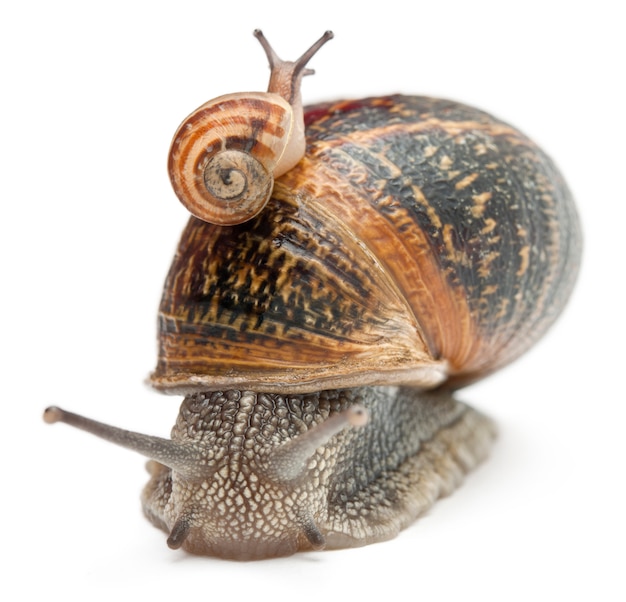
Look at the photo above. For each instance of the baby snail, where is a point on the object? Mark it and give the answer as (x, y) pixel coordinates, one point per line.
(329, 295)
(226, 154)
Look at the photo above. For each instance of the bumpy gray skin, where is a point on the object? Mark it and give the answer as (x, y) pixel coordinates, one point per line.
(363, 486)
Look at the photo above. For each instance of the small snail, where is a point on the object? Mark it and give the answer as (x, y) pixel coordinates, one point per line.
(414, 246)
(226, 154)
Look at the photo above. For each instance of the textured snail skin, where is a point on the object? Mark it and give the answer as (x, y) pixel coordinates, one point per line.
(362, 487)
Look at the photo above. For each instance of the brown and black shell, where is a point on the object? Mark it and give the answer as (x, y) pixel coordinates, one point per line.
(420, 241)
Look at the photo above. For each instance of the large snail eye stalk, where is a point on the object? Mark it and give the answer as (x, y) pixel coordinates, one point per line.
(288, 462)
(178, 457)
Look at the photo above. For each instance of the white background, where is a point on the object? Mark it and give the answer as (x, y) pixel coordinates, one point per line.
(91, 94)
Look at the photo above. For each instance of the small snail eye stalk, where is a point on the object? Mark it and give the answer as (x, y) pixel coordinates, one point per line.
(287, 75)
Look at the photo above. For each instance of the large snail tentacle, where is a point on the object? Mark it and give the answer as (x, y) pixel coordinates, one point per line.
(174, 455)
(289, 462)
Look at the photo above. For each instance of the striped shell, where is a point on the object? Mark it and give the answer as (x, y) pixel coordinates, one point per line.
(419, 241)
(225, 154)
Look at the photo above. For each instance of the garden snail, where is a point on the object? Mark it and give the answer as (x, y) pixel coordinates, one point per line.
(417, 246)
(226, 154)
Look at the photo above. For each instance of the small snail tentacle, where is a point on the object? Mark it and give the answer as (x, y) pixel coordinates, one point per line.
(286, 75)
(285, 81)
(225, 155)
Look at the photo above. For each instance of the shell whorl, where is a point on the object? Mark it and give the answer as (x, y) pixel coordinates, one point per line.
(223, 156)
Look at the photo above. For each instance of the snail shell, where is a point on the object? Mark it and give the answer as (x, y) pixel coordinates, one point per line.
(224, 156)
(419, 242)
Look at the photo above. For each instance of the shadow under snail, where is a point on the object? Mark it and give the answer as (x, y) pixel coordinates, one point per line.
(348, 267)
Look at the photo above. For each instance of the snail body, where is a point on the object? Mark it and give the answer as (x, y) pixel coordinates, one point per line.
(417, 246)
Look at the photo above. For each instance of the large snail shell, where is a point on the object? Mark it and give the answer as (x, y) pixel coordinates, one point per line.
(419, 241)
(225, 155)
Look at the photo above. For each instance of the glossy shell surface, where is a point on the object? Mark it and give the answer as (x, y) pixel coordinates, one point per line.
(420, 241)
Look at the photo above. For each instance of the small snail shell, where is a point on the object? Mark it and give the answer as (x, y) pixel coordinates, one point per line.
(225, 155)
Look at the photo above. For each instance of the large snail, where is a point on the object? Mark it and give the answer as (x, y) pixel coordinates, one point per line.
(319, 324)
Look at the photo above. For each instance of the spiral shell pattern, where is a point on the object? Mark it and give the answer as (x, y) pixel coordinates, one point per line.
(223, 155)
